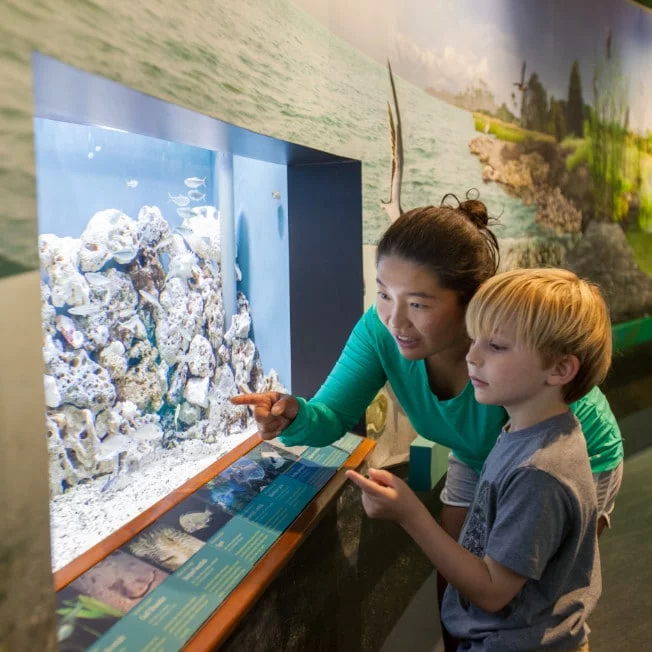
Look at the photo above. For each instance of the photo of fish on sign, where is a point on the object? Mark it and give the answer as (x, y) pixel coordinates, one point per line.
(195, 517)
(120, 580)
(235, 487)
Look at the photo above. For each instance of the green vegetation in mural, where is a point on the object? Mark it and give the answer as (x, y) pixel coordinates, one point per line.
(508, 131)
(593, 139)
(606, 130)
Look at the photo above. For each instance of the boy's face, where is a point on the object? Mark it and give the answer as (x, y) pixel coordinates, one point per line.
(504, 372)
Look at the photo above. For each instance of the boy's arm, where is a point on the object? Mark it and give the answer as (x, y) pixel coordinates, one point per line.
(485, 582)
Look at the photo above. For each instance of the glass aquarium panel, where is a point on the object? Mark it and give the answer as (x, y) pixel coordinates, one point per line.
(141, 352)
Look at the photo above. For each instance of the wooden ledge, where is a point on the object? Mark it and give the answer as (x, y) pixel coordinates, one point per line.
(223, 621)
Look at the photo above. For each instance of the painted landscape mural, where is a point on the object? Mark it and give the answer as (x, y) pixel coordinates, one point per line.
(542, 107)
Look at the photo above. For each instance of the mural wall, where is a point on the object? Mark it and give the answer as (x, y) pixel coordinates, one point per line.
(540, 106)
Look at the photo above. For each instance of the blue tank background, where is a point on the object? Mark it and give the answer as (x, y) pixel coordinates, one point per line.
(82, 169)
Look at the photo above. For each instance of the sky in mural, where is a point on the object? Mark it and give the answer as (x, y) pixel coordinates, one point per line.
(449, 45)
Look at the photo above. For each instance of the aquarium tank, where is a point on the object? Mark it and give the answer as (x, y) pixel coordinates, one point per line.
(165, 290)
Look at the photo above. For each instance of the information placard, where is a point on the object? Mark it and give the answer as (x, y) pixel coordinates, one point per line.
(155, 591)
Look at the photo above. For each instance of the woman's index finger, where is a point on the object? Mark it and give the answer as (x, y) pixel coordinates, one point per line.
(259, 400)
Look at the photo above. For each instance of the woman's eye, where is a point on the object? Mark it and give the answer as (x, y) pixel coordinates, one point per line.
(496, 347)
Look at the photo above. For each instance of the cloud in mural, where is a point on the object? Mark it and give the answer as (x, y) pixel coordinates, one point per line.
(441, 68)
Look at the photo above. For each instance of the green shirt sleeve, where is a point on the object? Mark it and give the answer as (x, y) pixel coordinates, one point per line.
(603, 439)
(355, 380)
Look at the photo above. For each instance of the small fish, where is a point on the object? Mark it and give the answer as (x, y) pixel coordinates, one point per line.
(149, 297)
(272, 458)
(185, 213)
(176, 416)
(195, 195)
(276, 194)
(84, 310)
(194, 182)
(120, 587)
(98, 148)
(147, 432)
(91, 155)
(179, 200)
(124, 256)
(97, 280)
(114, 444)
(116, 482)
(132, 183)
(164, 243)
(194, 521)
(126, 312)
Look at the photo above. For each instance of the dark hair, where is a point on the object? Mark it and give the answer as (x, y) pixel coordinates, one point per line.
(455, 242)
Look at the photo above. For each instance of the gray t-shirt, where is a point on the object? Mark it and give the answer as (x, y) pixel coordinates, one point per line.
(534, 512)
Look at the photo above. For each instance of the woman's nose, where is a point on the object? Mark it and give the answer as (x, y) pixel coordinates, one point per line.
(397, 317)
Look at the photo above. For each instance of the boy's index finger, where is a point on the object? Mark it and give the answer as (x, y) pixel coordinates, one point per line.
(364, 483)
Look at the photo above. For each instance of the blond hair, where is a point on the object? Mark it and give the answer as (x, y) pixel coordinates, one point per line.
(552, 312)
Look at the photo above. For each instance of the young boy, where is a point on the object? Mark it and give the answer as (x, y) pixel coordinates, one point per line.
(526, 572)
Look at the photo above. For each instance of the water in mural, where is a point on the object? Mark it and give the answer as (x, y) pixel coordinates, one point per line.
(140, 357)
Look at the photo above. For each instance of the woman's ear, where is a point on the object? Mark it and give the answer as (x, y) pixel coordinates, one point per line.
(563, 370)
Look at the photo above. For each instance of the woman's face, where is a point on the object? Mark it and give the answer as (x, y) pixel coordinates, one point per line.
(424, 318)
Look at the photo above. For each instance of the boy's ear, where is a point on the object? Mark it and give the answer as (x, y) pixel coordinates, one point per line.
(563, 370)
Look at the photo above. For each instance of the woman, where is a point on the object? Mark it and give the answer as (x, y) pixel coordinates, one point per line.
(430, 262)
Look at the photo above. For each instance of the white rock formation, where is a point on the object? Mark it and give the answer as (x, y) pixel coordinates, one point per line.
(135, 349)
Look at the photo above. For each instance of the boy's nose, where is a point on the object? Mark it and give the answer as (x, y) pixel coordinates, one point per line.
(472, 357)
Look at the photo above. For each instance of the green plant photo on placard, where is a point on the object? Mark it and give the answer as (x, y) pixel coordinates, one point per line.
(82, 608)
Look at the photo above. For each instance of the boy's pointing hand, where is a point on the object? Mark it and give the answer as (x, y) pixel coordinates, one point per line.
(386, 496)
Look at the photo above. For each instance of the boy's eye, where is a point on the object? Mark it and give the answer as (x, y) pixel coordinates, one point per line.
(497, 347)
(418, 306)
(382, 295)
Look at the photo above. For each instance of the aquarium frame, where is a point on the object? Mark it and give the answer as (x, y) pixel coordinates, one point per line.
(324, 187)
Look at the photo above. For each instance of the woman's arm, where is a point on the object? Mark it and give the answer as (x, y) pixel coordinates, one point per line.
(356, 378)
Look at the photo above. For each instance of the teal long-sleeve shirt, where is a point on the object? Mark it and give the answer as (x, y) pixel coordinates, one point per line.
(371, 358)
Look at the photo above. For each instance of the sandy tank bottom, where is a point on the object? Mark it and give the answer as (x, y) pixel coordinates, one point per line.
(85, 515)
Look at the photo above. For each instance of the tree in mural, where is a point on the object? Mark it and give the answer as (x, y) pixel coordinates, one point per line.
(575, 106)
(522, 87)
(534, 111)
(557, 120)
(606, 131)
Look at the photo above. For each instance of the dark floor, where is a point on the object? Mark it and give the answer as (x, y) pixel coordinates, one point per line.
(622, 621)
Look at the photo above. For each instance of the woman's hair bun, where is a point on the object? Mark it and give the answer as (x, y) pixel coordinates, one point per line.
(476, 211)
(472, 207)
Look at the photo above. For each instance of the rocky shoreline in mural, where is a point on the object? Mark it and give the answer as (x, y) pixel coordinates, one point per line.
(535, 172)
(527, 174)
(138, 357)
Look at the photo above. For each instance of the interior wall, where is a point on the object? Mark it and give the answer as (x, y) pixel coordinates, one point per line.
(313, 72)
(263, 259)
